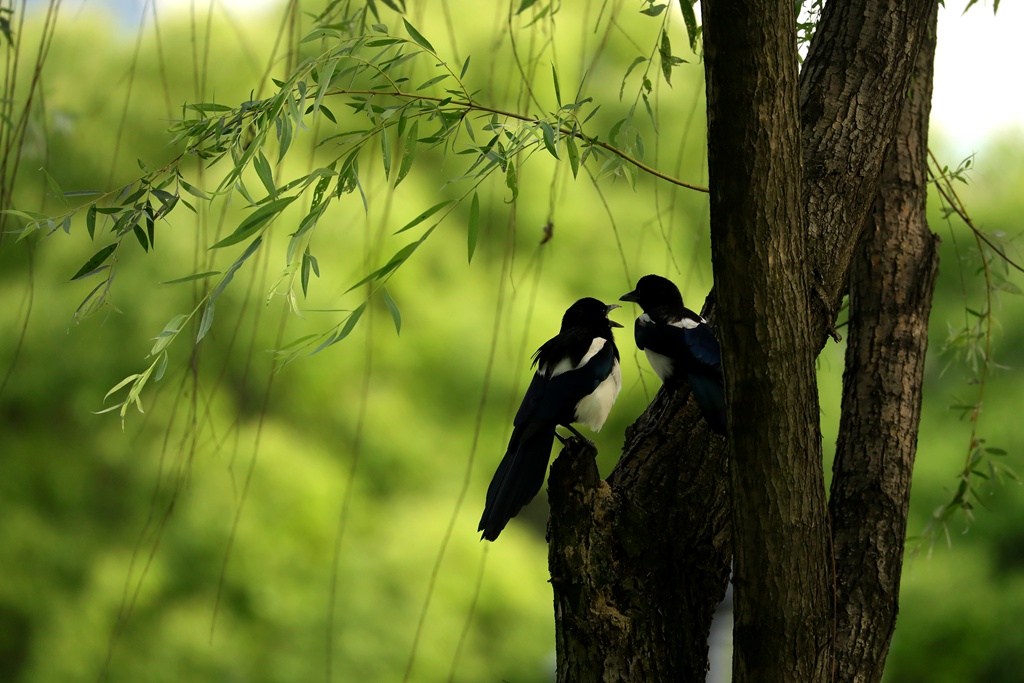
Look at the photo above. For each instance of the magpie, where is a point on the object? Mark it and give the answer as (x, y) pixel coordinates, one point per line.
(679, 345)
(577, 380)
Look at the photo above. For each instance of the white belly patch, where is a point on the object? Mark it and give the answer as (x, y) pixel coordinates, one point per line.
(593, 409)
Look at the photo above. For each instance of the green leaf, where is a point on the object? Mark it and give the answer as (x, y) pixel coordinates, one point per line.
(249, 251)
(558, 91)
(425, 215)
(416, 36)
(465, 67)
(408, 152)
(548, 135)
(140, 235)
(307, 264)
(525, 5)
(398, 259)
(574, 154)
(90, 221)
(690, 19)
(94, 262)
(256, 220)
(665, 53)
(474, 224)
(395, 313)
(167, 335)
(121, 385)
(433, 81)
(265, 173)
(325, 82)
(194, 191)
(54, 187)
(204, 324)
(385, 149)
(350, 324)
(150, 225)
(636, 62)
(654, 10)
(190, 278)
(511, 180)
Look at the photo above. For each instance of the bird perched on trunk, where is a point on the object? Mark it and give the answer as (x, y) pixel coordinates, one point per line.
(679, 345)
(577, 380)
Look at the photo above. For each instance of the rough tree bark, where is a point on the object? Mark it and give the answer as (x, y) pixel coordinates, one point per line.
(639, 563)
(891, 284)
(781, 574)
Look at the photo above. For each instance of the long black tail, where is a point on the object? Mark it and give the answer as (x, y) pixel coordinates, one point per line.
(518, 477)
(710, 395)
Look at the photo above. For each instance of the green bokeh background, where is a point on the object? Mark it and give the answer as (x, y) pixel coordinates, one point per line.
(211, 537)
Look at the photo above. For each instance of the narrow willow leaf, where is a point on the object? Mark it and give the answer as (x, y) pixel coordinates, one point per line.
(150, 225)
(140, 235)
(558, 91)
(408, 152)
(54, 187)
(385, 148)
(465, 67)
(170, 330)
(417, 36)
(325, 83)
(433, 81)
(690, 19)
(304, 272)
(574, 154)
(396, 315)
(548, 134)
(511, 180)
(284, 136)
(161, 366)
(636, 62)
(255, 221)
(265, 173)
(474, 224)
(425, 215)
(190, 278)
(328, 114)
(353, 318)
(90, 221)
(121, 385)
(249, 251)
(654, 10)
(94, 262)
(194, 191)
(665, 53)
(525, 5)
(398, 259)
(204, 324)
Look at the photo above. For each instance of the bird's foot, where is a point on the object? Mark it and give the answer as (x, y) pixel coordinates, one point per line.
(587, 442)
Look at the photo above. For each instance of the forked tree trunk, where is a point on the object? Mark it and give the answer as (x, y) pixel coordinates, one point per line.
(891, 284)
(638, 563)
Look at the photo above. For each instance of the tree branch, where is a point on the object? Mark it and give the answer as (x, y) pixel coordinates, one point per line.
(891, 284)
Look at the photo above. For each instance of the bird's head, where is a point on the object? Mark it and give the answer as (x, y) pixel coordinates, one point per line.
(654, 291)
(589, 313)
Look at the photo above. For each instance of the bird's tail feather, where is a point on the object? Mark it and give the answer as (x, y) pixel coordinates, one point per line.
(518, 478)
(710, 395)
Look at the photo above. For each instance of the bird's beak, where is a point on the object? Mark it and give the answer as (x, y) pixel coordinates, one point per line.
(612, 307)
(631, 296)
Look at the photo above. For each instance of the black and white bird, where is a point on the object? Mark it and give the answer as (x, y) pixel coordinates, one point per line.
(577, 380)
(679, 345)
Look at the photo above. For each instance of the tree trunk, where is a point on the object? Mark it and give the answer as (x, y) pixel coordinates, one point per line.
(891, 284)
(781, 574)
(638, 564)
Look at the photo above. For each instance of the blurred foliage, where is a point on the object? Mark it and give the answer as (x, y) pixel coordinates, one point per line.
(257, 517)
